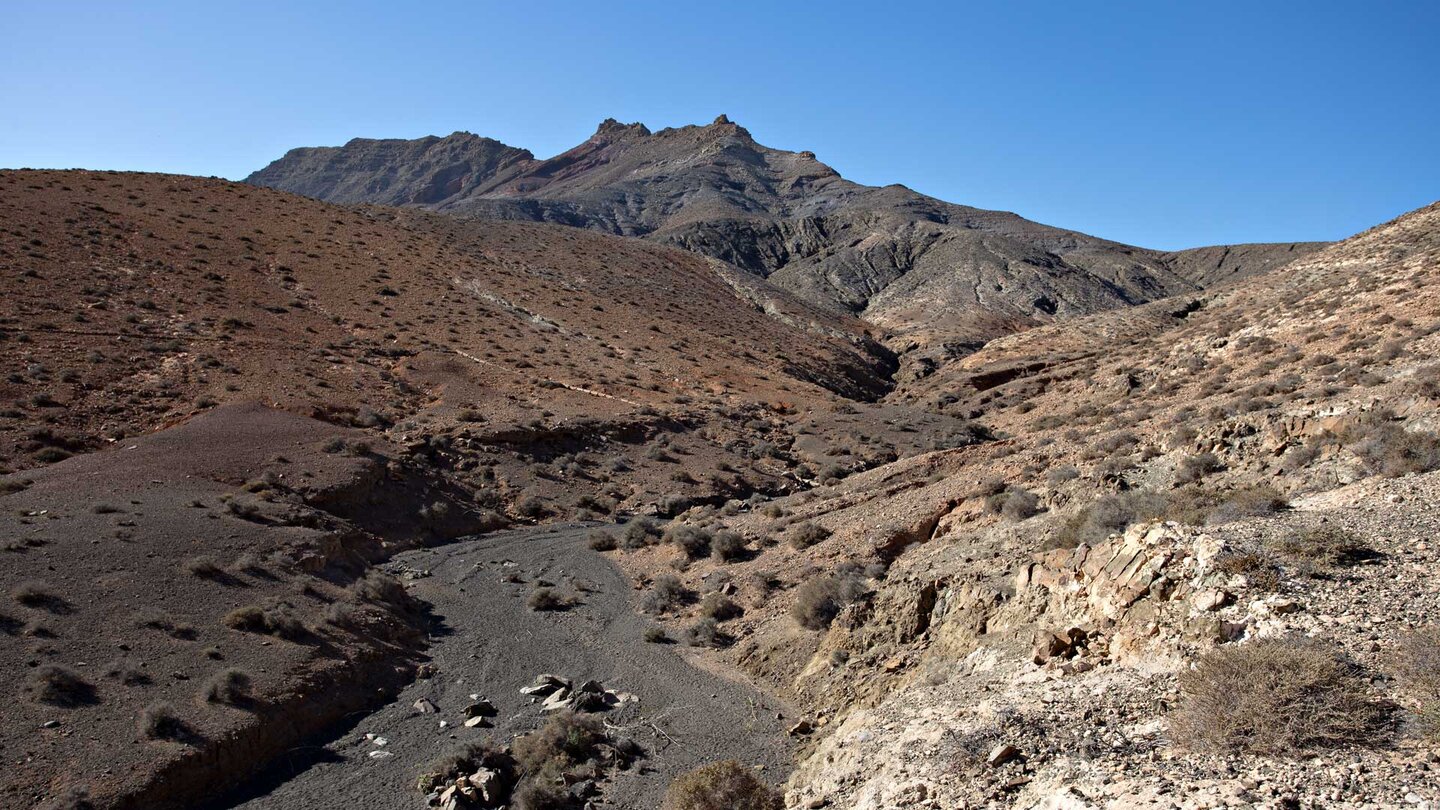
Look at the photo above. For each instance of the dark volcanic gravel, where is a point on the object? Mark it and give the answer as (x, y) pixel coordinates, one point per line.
(488, 643)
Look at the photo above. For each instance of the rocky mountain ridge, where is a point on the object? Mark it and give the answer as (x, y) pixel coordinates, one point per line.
(939, 277)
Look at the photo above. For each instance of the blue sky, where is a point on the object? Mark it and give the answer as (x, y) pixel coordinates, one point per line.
(1163, 123)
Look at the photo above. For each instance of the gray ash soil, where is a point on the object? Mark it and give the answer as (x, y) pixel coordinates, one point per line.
(488, 643)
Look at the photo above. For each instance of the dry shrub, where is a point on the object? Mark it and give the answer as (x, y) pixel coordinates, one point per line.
(1193, 468)
(1194, 505)
(726, 785)
(60, 686)
(639, 533)
(569, 748)
(807, 534)
(1261, 571)
(601, 540)
(1415, 665)
(546, 599)
(1387, 448)
(229, 686)
(694, 541)
(34, 593)
(719, 607)
(1198, 506)
(277, 620)
(727, 546)
(706, 632)
(160, 721)
(821, 599)
(1327, 544)
(1276, 698)
(667, 592)
(74, 798)
(1019, 504)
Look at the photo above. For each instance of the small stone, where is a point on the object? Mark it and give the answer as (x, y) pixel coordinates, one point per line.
(1209, 599)
(1001, 754)
(424, 706)
(380, 754)
(801, 728)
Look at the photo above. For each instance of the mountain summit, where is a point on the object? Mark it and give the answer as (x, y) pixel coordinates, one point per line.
(939, 277)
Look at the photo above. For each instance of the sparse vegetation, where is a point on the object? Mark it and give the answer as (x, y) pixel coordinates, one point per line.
(807, 534)
(1274, 698)
(1415, 665)
(229, 686)
(276, 620)
(818, 601)
(60, 686)
(666, 593)
(725, 785)
(160, 721)
(719, 607)
(727, 546)
(547, 599)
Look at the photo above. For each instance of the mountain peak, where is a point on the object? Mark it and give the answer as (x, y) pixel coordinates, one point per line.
(610, 128)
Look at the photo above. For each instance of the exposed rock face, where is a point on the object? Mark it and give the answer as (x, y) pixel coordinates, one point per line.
(426, 171)
(936, 273)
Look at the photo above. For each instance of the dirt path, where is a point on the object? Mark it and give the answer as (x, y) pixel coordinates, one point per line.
(490, 645)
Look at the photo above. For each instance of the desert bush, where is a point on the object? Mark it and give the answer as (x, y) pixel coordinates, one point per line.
(532, 506)
(725, 785)
(1198, 506)
(33, 593)
(727, 546)
(666, 593)
(820, 600)
(73, 798)
(719, 607)
(160, 721)
(1388, 449)
(60, 686)
(1060, 475)
(229, 686)
(807, 534)
(1193, 468)
(277, 620)
(640, 533)
(567, 740)
(1415, 666)
(1261, 571)
(128, 671)
(1108, 515)
(1326, 544)
(601, 540)
(1274, 697)
(546, 599)
(205, 567)
(692, 540)
(1019, 504)
(705, 632)
(381, 588)
(656, 635)
(466, 759)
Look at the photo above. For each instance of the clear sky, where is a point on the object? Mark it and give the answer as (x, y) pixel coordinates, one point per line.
(1162, 123)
